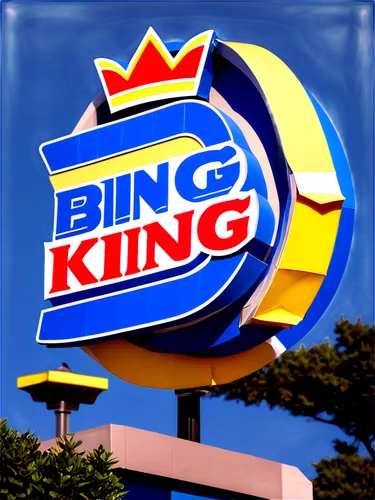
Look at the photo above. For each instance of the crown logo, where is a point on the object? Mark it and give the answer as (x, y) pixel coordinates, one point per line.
(154, 74)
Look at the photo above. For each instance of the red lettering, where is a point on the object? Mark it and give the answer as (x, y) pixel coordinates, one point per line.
(176, 250)
(62, 263)
(132, 264)
(112, 256)
(207, 225)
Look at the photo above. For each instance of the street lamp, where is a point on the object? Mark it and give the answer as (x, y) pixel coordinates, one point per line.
(63, 391)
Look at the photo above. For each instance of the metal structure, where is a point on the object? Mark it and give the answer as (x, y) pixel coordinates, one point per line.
(63, 391)
(188, 414)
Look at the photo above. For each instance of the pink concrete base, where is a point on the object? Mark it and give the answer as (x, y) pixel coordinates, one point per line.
(165, 456)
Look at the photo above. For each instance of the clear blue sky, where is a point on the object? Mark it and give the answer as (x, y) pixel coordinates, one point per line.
(48, 80)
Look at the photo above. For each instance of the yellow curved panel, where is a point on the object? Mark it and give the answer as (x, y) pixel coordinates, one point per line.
(309, 247)
(280, 304)
(303, 266)
(154, 90)
(301, 134)
(311, 239)
(151, 369)
(126, 162)
(176, 371)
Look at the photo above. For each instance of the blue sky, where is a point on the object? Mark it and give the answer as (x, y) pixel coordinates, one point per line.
(48, 80)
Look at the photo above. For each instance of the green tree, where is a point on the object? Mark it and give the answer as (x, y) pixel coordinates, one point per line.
(333, 384)
(347, 476)
(61, 472)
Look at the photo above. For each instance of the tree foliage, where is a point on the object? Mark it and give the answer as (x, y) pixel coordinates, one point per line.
(347, 476)
(61, 472)
(333, 384)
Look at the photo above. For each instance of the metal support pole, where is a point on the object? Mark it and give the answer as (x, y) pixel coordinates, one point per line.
(188, 415)
(62, 413)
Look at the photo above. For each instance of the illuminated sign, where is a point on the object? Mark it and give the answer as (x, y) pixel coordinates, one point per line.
(203, 215)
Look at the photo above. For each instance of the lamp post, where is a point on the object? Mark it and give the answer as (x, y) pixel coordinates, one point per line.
(189, 414)
(63, 391)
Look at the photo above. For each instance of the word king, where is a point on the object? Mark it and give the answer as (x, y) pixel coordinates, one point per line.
(150, 219)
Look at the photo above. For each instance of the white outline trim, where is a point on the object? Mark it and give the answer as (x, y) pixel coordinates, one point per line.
(275, 343)
(317, 183)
